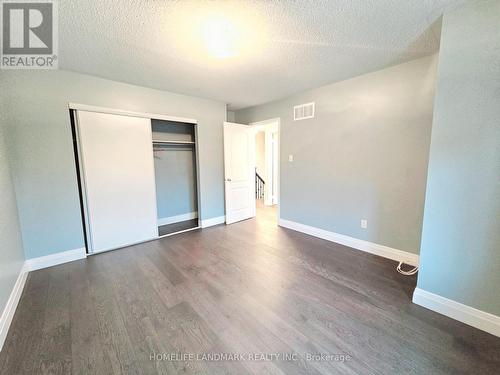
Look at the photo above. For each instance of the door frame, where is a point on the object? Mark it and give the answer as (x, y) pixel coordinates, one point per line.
(274, 120)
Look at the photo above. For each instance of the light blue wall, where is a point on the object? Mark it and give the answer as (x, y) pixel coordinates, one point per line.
(460, 254)
(11, 248)
(43, 166)
(364, 155)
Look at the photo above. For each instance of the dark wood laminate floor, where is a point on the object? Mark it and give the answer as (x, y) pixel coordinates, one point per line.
(250, 287)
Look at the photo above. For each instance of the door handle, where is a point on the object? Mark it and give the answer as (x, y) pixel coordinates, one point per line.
(228, 179)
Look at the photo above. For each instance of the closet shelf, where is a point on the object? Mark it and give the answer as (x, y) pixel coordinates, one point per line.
(173, 142)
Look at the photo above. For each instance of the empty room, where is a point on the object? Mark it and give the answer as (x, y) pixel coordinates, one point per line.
(250, 187)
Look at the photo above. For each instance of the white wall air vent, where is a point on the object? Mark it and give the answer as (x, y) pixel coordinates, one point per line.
(303, 111)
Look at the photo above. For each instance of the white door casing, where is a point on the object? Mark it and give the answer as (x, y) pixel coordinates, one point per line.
(239, 173)
(275, 162)
(116, 157)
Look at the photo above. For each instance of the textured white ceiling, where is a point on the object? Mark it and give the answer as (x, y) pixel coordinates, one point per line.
(286, 47)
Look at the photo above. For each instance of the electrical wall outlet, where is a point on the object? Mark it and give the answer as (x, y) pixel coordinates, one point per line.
(364, 223)
(290, 157)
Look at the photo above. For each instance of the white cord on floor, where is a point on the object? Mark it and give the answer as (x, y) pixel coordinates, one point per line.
(413, 271)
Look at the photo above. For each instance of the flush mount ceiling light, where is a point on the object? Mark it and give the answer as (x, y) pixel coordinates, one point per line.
(220, 37)
(210, 33)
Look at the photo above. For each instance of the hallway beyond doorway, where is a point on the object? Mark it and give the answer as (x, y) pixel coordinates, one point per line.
(266, 214)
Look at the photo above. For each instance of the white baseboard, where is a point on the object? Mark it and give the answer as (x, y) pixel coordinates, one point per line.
(34, 264)
(177, 218)
(476, 318)
(205, 223)
(369, 247)
(12, 302)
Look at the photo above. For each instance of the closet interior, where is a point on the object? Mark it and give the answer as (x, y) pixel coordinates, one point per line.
(175, 176)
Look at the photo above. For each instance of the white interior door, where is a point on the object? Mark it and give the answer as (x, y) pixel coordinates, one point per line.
(116, 157)
(239, 162)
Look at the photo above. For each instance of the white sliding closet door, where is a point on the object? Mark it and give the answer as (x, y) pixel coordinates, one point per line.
(116, 154)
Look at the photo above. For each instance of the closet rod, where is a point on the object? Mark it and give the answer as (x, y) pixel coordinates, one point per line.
(174, 142)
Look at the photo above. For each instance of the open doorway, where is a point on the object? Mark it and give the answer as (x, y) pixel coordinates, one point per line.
(266, 166)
